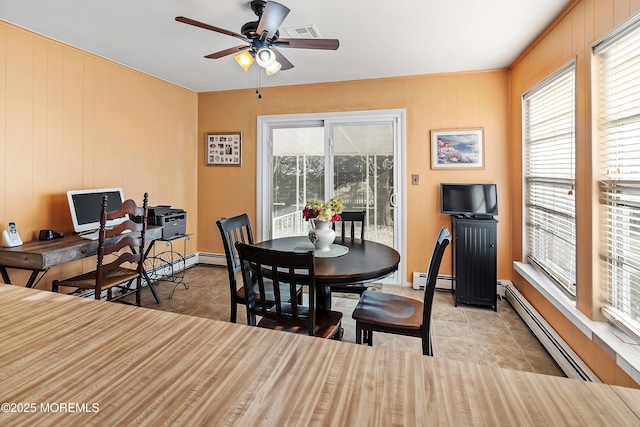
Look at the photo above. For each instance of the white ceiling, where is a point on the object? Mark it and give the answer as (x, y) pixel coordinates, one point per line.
(377, 38)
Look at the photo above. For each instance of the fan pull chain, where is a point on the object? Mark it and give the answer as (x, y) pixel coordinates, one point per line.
(258, 83)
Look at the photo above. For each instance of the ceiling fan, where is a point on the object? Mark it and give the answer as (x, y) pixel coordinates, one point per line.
(263, 38)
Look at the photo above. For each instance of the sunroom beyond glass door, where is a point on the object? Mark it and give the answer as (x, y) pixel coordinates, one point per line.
(363, 174)
(361, 156)
(297, 175)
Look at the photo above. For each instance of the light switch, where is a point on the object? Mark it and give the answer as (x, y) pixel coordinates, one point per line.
(415, 179)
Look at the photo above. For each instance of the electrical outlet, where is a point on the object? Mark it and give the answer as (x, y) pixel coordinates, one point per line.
(415, 179)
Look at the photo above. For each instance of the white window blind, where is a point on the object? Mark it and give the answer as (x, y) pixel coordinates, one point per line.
(618, 120)
(549, 139)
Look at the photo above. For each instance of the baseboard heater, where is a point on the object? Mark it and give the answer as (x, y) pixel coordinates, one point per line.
(443, 283)
(565, 357)
(206, 258)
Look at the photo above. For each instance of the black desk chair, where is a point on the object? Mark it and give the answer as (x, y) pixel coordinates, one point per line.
(292, 270)
(350, 220)
(233, 230)
(110, 273)
(382, 312)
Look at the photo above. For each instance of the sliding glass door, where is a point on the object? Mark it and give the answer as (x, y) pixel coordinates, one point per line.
(352, 157)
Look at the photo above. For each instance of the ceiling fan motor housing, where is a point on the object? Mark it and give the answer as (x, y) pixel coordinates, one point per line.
(258, 7)
(249, 30)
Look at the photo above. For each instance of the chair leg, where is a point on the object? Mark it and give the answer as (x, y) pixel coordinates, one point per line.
(234, 312)
(139, 292)
(427, 348)
(54, 286)
(339, 334)
(358, 333)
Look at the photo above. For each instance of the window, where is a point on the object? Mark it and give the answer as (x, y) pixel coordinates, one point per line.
(549, 149)
(617, 107)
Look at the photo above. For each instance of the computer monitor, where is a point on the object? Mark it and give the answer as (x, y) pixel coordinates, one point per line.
(85, 207)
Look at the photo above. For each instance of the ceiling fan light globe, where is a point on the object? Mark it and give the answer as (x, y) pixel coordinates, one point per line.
(245, 59)
(273, 68)
(265, 57)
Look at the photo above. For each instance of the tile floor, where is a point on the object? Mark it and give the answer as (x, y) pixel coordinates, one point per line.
(467, 333)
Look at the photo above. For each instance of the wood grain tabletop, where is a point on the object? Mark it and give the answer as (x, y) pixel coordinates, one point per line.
(67, 360)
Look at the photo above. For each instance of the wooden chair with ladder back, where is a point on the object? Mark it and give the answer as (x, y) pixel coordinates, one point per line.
(124, 242)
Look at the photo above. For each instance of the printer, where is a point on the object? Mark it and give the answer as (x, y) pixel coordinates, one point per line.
(172, 220)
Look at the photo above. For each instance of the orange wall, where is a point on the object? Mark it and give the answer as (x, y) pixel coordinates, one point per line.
(478, 99)
(570, 36)
(71, 120)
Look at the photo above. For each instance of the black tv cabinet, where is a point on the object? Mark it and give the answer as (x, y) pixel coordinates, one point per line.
(474, 260)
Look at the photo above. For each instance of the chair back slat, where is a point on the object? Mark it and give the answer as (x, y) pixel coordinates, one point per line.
(350, 221)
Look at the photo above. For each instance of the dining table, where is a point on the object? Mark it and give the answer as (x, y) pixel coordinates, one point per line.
(347, 261)
(70, 361)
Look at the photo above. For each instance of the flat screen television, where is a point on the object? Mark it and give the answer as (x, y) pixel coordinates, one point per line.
(85, 206)
(470, 200)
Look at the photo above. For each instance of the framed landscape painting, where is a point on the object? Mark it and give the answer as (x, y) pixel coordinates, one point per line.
(457, 148)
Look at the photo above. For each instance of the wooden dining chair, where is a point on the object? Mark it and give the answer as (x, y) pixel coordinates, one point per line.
(349, 224)
(118, 246)
(233, 230)
(291, 269)
(395, 314)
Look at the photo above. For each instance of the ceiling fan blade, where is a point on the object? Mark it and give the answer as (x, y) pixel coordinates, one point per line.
(284, 62)
(326, 44)
(211, 28)
(271, 19)
(230, 51)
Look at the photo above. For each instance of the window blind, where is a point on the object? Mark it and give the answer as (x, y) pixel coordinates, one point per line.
(549, 139)
(618, 120)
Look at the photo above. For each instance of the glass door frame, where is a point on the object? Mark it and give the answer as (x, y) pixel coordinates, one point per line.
(264, 150)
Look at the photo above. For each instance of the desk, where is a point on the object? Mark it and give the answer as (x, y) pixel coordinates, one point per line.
(366, 261)
(39, 256)
(185, 371)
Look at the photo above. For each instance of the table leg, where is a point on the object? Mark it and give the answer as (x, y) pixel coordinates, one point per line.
(151, 286)
(32, 279)
(323, 295)
(146, 276)
(30, 283)
(5, 275)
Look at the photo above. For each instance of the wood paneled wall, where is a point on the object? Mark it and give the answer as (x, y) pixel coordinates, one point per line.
(570, 36)
(72, 120)
(478, 99)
